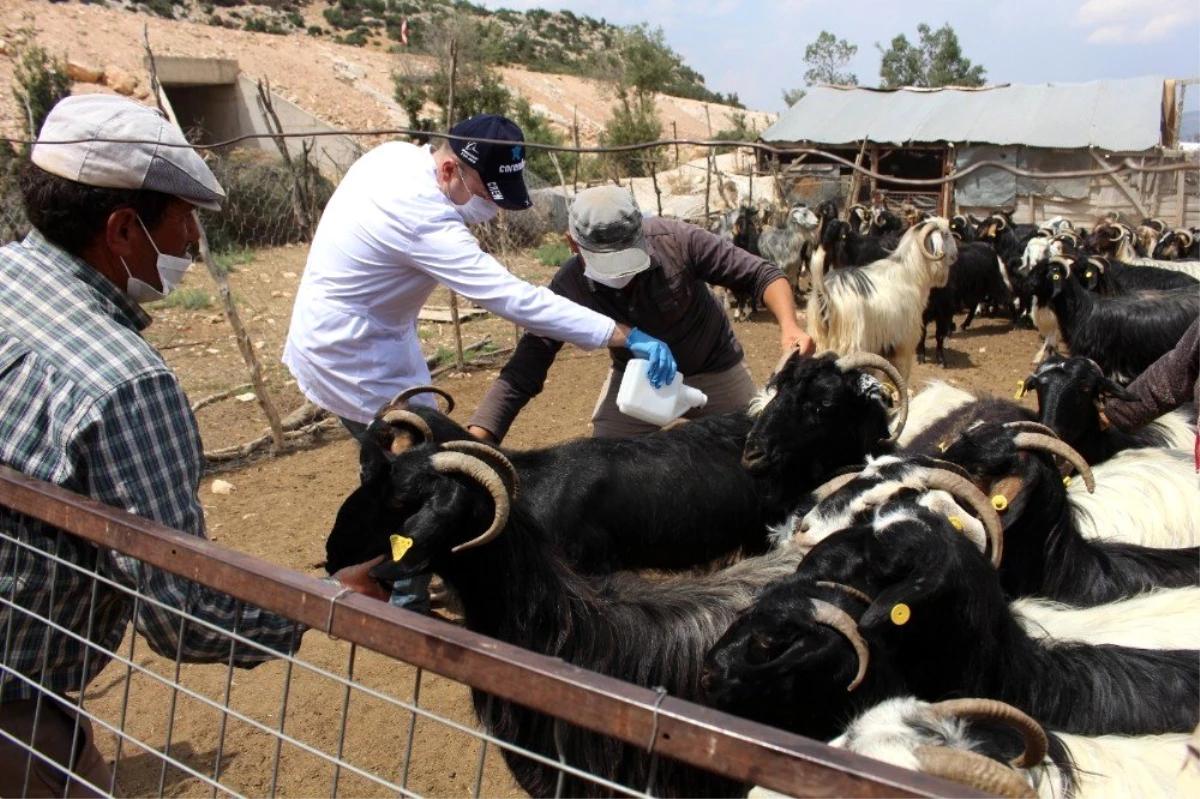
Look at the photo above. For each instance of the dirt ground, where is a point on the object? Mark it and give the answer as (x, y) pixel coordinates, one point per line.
(281, 509)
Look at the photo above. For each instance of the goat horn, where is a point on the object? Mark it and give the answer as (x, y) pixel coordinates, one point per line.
(1058, 447)
(950, 466)
(961, 488)
(1025, 426)
(1185, 237)
(410, 418)
(923, 240)
(1099, 263)
(404, 396)
(846, 589)
(857, 360)
(974, 770)
(787, 356)
(1116, 233)
(1036, 742)
(493, 457)
(832, 485)
(835, 618)
(486, 476)
(1001, 223)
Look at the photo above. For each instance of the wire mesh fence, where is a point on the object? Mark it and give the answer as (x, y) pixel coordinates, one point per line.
(374, 702)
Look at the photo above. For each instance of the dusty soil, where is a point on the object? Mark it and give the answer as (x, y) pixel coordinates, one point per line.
(281, 510)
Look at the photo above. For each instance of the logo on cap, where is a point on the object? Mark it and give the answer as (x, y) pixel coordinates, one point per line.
(469, 152)
(516, 154)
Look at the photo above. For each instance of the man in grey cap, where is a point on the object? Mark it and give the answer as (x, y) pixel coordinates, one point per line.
(111, 191)
(650, 275)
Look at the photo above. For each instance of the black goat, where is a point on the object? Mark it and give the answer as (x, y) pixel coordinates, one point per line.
(936, 624)
(975, 277)
(676, 498)
(1109, 277)
(515, 585)
(1071, 393)
(845, 246)
(1123, 334)
(1177, 245)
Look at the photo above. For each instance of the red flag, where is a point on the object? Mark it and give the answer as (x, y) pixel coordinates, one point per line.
(404, 32)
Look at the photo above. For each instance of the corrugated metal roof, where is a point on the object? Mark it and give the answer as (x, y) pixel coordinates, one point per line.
(1118, 115)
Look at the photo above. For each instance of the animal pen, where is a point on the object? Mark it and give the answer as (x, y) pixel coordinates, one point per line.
(199, 742)
(1057, 144)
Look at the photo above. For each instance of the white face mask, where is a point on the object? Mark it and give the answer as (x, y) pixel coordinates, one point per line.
(171, 269)
(477, 210)
(611, 282)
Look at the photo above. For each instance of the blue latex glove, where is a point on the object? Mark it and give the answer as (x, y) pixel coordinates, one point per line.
(661, 368)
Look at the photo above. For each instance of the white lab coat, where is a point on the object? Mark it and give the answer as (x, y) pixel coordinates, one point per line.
(387, 237)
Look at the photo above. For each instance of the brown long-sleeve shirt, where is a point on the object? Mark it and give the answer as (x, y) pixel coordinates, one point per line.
(669, 301)
(1164, 386)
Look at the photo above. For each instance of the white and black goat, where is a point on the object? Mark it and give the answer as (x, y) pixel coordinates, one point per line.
(1117, 241)
(877, 308)
(1071, 394)
(998, 749)
(466, 515)
(928, 617)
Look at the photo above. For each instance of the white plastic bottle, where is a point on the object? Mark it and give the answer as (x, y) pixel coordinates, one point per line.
(639, 399)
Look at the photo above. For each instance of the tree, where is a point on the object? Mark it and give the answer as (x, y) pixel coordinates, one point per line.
(641, 66)
(826, 57)
(936, 60)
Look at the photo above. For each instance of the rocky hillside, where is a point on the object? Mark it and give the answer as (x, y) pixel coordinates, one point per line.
(349, 87)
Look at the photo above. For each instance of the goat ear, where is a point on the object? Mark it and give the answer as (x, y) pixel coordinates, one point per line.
(1112, 390)
(898, 604)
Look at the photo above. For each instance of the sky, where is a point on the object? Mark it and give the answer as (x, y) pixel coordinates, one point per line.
(757, 48)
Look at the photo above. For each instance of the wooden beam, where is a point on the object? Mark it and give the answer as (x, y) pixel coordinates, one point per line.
(1120, 184)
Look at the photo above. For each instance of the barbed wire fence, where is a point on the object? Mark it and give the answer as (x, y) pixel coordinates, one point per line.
(273, 201)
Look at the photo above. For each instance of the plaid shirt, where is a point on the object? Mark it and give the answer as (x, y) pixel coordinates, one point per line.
(87, 404)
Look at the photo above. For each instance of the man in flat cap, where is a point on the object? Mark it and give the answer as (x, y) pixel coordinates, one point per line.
(650, 274)
(111, 190)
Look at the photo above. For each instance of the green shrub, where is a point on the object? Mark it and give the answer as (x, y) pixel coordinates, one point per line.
(228, 260)
(189, 299)
(553, 253)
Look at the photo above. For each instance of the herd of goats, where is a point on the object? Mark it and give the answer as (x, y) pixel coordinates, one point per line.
(954, 584)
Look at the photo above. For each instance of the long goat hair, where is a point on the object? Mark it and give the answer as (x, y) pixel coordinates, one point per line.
(515, 585)
(877, 308)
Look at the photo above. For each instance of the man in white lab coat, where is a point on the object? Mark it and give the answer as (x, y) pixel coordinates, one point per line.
(396, 227)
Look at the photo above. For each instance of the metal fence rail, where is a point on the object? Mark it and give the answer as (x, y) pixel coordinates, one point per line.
(190, 732)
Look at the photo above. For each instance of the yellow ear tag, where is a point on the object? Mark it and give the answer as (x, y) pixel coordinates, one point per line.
(1067, 481)
(901, 613)
(1087, 274)
(999, 502)
(1056, 277)
(942, 446)
(1020, 390)
(956, 522)
(400, 545)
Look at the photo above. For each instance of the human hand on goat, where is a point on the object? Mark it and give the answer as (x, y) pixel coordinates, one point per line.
(661, 369)
(791, 338)
(357, 578)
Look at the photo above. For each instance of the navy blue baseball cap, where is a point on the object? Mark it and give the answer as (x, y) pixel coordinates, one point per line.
(502, 166)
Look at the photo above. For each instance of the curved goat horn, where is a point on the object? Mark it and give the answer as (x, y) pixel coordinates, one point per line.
(857, 360)
(1036, 742)
(849, 590)
(493, 457)
(1058, 447)
(835, 618)
(1185, 237)
(974, 770)
(923, 240)
(833, 484)
(1001, 223)
(404, 396)
(410, 418)
(486, 476)
(1026, 426)
(787, 356)
(965, 490)
(1098, 262)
